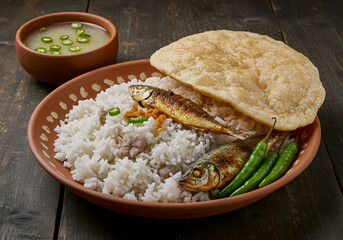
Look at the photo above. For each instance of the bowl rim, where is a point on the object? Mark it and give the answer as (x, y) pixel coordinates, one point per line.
(113, 37)
(254, 194)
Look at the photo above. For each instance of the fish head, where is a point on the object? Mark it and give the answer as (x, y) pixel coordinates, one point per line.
(140, 93)
(203, 176)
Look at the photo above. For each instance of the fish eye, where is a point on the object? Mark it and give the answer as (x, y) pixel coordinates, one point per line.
(196, 173)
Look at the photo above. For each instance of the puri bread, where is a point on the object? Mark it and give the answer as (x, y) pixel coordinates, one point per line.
(257, 75)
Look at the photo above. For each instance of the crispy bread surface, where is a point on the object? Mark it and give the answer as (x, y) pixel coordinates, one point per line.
(257, 75)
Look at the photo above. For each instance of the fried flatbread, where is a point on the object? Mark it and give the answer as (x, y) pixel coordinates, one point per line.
(257, 75)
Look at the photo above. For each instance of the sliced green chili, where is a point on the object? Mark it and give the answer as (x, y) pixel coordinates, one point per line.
(250, 166)
(137, 119)
(64, 37)
(114, 111)
(55, 47)
(283, 162)
(76, 25)
(84, 35)
(74, 49)
(67, 42)
(79, 31)
(56, 53)
(41, 50)
(42, 29)
(82, 40)
(46, 39)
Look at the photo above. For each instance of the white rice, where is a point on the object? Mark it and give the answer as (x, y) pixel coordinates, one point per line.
(93, 151)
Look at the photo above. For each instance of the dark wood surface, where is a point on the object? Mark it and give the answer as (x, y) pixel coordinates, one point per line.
(35, 206)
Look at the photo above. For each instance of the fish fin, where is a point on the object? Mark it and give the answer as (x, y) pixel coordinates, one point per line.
(275, 138)
(240, 134)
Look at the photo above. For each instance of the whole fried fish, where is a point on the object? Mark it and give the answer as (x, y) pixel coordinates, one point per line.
(222, 164)
(181, 110)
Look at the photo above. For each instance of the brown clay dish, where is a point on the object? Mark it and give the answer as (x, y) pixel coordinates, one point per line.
(58, 69)
(53, 108)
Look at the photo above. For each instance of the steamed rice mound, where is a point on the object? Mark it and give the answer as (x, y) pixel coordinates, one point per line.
(257, 75)
(93, 150)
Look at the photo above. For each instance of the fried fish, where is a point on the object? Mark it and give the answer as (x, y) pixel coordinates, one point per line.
(220, 165)
(181, 109)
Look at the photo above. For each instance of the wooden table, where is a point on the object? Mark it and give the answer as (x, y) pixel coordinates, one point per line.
(33, 205)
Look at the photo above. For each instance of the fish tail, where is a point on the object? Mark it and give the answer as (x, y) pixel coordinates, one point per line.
(275, 138)
(240, 134)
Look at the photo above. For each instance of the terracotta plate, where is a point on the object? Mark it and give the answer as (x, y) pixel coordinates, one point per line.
(54, 107)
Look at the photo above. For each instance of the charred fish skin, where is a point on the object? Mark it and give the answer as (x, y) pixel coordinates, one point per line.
(181, 110)
(227, 160)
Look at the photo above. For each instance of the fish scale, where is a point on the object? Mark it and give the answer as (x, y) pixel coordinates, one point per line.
(225, 162)
(230, 158)
(218, 166)
(181, 110)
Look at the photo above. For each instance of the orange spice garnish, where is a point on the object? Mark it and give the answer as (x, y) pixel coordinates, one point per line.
(134, 112)
(152, 113)
(159, 121)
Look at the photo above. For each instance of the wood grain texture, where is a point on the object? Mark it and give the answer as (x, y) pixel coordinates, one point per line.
(143, 28)
(146, 26)
(23, 183)
(310, 207)
(28, 195)
(307, 208)
(315, 29)
(86, 221)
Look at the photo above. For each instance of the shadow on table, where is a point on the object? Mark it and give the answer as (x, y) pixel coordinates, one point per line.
(292, 212)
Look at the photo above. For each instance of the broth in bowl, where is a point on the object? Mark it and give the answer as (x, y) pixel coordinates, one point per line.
(67, 38)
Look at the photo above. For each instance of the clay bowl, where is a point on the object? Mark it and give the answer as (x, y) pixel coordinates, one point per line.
(57, 69)
(54, 107)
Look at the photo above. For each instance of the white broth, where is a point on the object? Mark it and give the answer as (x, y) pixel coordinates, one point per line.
(67, 38)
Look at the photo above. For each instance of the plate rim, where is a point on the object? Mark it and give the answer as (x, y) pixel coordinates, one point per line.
(254, 194)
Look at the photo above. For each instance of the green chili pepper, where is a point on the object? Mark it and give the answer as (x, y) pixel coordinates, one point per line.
(282, 163)
(82, 40)
(46, 39)
(64, 37)
(74, 49)
(137, 120)
(55, 47)
(67, 42)
(114, 111)
(76, 25)
(41, 49)
(259, 175)
(42, 29)
(56, 53)
(79, 31)
(250, 166)
(84, 35)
